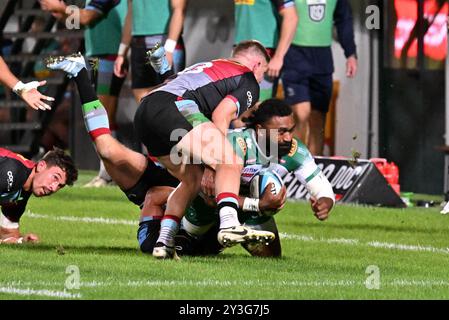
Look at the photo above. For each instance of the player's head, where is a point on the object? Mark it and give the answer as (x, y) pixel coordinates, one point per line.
(55, 170)
(273, 120)
(253, 55)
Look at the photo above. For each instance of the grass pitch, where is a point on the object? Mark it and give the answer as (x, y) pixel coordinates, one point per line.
(359, 253)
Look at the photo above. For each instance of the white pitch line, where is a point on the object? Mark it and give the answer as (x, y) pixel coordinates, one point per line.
(304, 238)
(44, 293)
(396, 283)
(83, 219)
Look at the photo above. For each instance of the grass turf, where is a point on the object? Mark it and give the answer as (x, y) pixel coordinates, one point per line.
(321, 260)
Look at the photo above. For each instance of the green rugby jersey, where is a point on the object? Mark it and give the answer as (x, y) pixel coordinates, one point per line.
(259, 20)
(103, 37)
(315, 25)
(150, 17)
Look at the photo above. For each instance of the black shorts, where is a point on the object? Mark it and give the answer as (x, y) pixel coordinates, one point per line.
(307, 76)
(142, 74)
(159, 124)
(153, 176)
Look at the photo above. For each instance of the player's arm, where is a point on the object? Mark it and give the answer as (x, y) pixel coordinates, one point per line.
(322, 195)
(9, 225)
(226, 111)
(120, 69)
(289, 23)
(27, 91)
(59, 10)
(175, 27)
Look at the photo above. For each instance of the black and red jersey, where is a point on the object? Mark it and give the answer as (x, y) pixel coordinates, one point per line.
(14, 172)
(208, 83)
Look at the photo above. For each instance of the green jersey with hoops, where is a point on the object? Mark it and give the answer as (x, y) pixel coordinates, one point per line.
(315, 25)
(150, 17)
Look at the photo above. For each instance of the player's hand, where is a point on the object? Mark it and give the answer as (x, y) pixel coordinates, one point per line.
(271, 203)
(275, 66)
(52, 5)
(34, 98)
(208, 183)
(351, 67)
(321, 207)
(120, 67)
(29, 238)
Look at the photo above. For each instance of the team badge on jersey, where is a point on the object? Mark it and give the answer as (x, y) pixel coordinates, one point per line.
(242, 144)
(317, 9)
(294, 148)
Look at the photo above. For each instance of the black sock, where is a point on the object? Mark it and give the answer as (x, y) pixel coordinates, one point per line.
(85, 87)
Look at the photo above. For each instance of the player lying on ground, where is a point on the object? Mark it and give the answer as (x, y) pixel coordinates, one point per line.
(199, 225)
(20, 178)
(132, 171)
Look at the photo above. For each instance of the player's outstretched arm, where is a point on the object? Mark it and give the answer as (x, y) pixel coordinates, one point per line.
(59, 10)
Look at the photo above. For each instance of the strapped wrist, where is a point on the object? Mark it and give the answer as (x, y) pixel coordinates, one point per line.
(122, 49)
(250, 205)
(170, 45)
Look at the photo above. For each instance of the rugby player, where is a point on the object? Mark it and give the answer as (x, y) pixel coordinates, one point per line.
(20, 178)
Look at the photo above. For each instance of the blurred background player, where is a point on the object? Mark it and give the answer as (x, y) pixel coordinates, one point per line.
(272, 23)
(149, 22)
(273, 120)
(308, 65)
(20, 178)
(104, 20)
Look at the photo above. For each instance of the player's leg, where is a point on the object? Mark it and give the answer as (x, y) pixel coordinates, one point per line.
(273, 249)
(108, 87)
(302, 113)
(320, 97)
(124, 165)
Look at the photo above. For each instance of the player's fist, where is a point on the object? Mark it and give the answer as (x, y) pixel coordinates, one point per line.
(321, 207)
(269, 203)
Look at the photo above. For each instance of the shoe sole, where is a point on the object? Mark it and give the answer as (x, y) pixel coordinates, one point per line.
(162, 254)
(229, 240)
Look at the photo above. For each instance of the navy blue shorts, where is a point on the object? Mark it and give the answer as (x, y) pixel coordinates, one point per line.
(307, 76)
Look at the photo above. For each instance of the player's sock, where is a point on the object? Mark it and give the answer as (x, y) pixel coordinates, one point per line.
(95, 115)
(148, 233)
(169, 228)
(227, 206)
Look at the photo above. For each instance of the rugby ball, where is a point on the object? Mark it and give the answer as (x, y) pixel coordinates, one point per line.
(262, 179)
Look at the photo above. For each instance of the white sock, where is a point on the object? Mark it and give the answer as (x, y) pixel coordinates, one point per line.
(228, 218)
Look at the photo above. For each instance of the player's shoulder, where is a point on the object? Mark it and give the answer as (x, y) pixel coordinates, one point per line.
(239, 138)
(298, 153)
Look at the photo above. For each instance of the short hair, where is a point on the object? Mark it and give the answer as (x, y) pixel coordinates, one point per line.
(268, 109)
(251, 46)
(57, 157)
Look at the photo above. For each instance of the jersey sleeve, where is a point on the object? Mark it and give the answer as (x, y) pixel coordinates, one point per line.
(246, 94)
(301, 162)
(102, 6)
(14, 210)
(282, 4)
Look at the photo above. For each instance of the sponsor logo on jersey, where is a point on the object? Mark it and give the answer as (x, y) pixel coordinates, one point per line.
(245, 2)
(317, 9)
(10, 181)
(294, 148)
(249, 102)
(242, 144)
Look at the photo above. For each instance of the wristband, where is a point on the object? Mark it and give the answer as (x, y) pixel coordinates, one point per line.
(7, 224)
(21, 87)
(122, 49)
(251, 205)
(170, 45)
